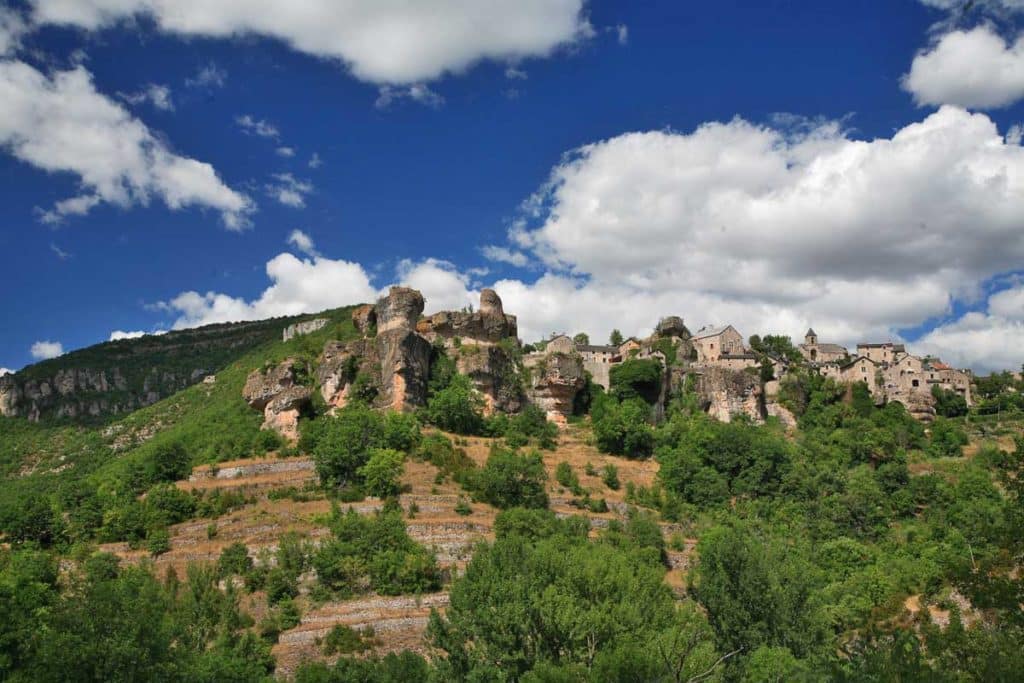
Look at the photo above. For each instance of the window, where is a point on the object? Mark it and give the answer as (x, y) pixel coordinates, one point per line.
(915, 383)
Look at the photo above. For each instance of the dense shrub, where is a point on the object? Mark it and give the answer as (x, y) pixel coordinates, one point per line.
(622, 428)
(382, 472)
(511, 480)
(457, 408)
(637, 378)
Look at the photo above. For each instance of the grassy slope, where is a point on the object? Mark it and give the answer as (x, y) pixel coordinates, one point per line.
(212, 421)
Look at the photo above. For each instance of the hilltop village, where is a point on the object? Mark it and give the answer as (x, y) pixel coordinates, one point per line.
(393, 360)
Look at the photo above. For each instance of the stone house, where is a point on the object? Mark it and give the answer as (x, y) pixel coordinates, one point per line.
(628, 346)
(949, 378)
(816, 352)
(598, 361)
(859, 369)
(885, 352)
(560, 344)
(712, 342)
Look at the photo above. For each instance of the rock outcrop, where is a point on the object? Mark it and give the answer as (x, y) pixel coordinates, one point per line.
(494, 373)
(554, 384)
(487, 326)
(671, 326)
(365, 320)
(277, 394)
(393, 366)
(399, 310)
(724, 393)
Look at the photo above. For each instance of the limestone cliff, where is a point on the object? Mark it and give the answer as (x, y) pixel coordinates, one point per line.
(724, 393)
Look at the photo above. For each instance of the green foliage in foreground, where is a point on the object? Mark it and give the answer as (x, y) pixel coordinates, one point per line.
(121, 624)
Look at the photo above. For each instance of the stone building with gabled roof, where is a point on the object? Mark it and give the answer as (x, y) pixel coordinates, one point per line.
(815, 352)
(711, 343)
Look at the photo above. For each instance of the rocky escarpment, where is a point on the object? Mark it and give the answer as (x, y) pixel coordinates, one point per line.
(488, 326)
(389, 369)
(485, 345)
(725, 393)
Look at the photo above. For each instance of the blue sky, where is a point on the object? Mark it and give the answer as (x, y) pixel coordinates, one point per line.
(855, 166)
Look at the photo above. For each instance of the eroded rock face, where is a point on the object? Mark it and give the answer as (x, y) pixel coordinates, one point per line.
(365, 319)
(70, 392)
(489, 325)
(494, 374)
(404, 369)
(299, 329)
(277, 394)
(399, 310)
(724, 393)
(554, 385)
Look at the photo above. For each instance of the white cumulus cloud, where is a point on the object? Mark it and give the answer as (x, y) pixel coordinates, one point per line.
(43, 350)
(380, 41)
(974, 68)
(298, 286)
(6, 371)
(61, 123)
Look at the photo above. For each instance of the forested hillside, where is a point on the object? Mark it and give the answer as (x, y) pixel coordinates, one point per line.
(116, 377)
(182, 542)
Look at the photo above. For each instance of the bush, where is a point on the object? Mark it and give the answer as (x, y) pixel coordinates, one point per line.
(382, 472)
(345, 640)
(512, 480)
(610, 476)
(622, 428)
(166, 461)
(401, 431)
(948, 403)
(457, 408)
(565, 476)
(158, 542)
(438, 450)
(340, 446)
(635, 378)
(947, 439)
(233, 560)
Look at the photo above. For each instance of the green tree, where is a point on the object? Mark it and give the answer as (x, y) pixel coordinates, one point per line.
(560, 605)
(382, 472)
(457, 408)
(511, 480)
(341, 445)
(637, 378)
(581, 339)
(615, 338)
(622, 428)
